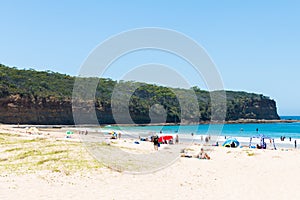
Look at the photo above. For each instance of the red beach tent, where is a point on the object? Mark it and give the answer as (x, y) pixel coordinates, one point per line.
(165, 138)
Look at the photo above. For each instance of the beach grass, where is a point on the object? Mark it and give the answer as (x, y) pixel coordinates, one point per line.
(26, 155)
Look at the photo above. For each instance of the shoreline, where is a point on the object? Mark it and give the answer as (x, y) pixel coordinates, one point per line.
(239, 121)
(59, 133)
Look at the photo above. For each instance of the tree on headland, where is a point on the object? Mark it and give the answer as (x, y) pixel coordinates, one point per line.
(47, 86)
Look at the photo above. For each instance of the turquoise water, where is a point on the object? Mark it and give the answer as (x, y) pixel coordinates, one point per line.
(274, 130)
(290, 117)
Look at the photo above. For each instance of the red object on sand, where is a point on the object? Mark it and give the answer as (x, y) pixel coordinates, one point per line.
(165, 138)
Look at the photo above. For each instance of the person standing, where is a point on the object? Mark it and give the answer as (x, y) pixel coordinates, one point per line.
(155, 142)
(295, 144)
(206, 139)
(176, 139)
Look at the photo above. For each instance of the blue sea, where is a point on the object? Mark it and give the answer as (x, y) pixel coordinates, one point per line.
(290, 117)
(274, 130)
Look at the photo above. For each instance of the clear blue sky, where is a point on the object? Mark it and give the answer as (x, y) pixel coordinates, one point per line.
(255, 44)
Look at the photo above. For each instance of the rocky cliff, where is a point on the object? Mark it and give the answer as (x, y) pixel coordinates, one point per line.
(23, 110)
(32, 97)
(17, 110)
(254, 109)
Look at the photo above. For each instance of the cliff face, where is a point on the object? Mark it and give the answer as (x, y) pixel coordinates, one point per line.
(48, 111)
(262, 109)
(33, 97)
(14, 110)
(254, 109)
(24, 110)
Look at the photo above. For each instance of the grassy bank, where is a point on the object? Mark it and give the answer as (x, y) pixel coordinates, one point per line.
(27, 155)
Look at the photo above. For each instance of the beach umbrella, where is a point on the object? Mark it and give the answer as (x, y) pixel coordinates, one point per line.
(229, 141)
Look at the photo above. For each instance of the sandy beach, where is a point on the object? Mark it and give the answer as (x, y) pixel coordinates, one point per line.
(46, 165)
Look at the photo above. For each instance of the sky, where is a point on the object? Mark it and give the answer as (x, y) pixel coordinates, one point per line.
(255, 44)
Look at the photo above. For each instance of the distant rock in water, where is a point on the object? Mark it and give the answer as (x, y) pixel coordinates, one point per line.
(33, 97)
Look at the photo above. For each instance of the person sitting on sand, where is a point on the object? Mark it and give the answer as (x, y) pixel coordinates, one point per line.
(184, 153)
(232, 145)
(264, 145)
(217, 144)
(203, 155)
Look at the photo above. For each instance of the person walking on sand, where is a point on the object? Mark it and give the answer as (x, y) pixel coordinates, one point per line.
(155, 142)
(176, 139)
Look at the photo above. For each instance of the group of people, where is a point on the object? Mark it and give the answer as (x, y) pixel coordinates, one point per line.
(263, 145)
(83, 132)
(282, 138)
(156, 143)
(206, 139)
(116, 135)
(201, 155)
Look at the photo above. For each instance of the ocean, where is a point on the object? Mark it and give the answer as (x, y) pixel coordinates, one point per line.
(219, 133)
(242, 132)
(290, 117)
(274, 130)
